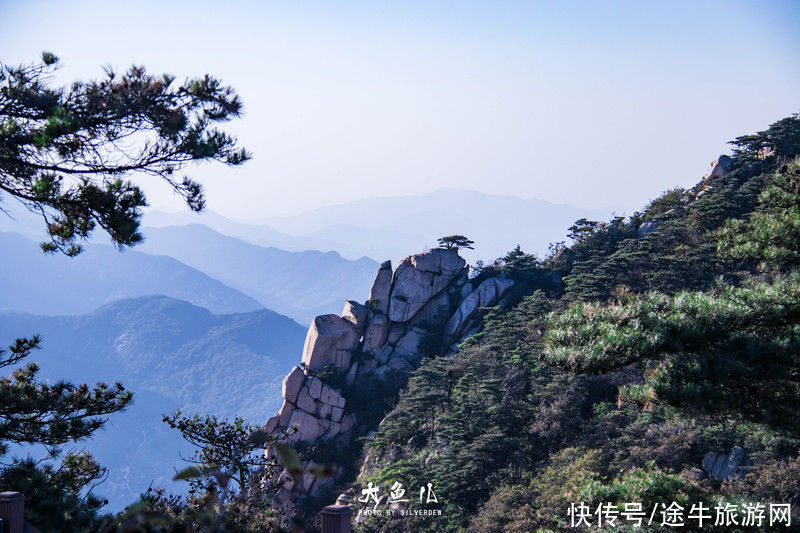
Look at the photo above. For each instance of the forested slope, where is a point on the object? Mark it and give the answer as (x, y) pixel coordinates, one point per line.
(675, 336)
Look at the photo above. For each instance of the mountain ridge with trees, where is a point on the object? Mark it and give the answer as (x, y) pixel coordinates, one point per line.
(673, 342)
(652, 360)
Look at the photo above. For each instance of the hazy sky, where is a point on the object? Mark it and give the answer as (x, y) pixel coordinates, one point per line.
(600, 104)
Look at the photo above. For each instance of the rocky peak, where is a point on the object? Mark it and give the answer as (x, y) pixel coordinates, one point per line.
(418, 278)
(381, 287)
(377, 342)
(719, 167)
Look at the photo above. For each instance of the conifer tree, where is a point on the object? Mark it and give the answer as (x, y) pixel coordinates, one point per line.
(454, 242)
(72, 155)
(69, 153)
(732, 350)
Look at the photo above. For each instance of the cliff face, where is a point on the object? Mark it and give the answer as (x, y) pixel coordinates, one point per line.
(427, 300)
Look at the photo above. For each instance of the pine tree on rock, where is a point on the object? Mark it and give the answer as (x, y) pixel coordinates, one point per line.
(454, 242)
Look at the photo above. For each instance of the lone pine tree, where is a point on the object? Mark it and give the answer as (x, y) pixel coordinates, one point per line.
(454, 242)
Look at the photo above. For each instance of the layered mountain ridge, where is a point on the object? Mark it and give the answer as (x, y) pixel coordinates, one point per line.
(172, 355)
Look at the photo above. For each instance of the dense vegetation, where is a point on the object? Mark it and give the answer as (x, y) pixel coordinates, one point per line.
(675, 333)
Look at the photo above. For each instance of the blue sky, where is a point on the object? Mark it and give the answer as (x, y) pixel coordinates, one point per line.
(598, 104)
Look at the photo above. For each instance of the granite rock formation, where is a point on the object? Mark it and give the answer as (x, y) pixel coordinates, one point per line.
(374, 343)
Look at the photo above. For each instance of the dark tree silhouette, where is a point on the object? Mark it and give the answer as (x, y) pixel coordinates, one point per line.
(68, 153)
(454, 242)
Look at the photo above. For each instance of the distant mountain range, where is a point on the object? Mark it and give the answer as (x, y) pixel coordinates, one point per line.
(172, 354)
(193, 262)
(261, 235)
(299, 284)
(393, 227)
(281, 265)
(180, 319)
(33, 282)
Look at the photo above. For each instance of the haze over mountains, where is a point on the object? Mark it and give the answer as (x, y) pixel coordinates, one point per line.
(299, 284)
(33, 282)
(228, 266)
(392, 227)
(190, 319)
(192, 263)
(173, 355)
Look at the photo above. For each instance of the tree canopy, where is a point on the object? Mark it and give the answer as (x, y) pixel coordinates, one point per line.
(69, 153)
(729, 349)
(50, 414)
(454, 242)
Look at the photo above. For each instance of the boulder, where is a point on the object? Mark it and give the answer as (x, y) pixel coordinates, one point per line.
(309, 427)
(288, 482)
(305, 401)
(419, 278)
(314, 387)
(366, 368)
(272, 424)
(408, 345)
(384, 354)
(285, 414)
(395, 332)
(412, 289)
(646, 227)
(466, 290)
(721, 466)
(292, 383)
(381, 287)
(398, 365)
(352, 373)
(436, 311)
(325, 410)
(375, 334)
(404, 305)
(357, 314)
(330, 341)
(487, 294)
(331, 396)
(501, 285)
(308, 476)
(334, 430)
(719, 167)
(283, 497)
(365, 371)
(348, 422)
(439, 261)
(280, 420)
